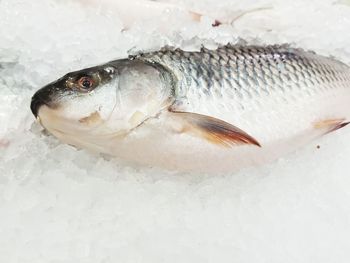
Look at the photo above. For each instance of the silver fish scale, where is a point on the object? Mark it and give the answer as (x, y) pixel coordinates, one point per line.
(244, 72)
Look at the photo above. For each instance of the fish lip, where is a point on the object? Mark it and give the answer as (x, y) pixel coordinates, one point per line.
(46, 95)
(36, 103)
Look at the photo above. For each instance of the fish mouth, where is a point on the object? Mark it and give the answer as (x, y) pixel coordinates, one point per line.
(40, 98)
(35, 105)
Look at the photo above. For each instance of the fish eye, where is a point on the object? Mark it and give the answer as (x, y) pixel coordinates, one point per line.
(85, 83)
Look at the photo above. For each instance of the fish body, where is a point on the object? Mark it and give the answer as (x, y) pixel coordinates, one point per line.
(145, 10)
(211, 110)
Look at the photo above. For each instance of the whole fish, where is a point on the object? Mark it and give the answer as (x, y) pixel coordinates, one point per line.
(144, 10)
(211, 110)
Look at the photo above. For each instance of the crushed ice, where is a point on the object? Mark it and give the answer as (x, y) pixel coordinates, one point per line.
(60, 204)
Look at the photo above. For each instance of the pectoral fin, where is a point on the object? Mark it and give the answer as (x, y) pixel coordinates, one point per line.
(214, 130)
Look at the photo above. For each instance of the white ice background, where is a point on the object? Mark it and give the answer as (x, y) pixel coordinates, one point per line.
(59, 204)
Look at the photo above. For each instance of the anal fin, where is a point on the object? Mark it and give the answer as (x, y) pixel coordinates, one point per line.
(212, 129)
(331, 125)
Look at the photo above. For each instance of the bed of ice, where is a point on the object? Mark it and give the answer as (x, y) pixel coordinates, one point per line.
(59, 204)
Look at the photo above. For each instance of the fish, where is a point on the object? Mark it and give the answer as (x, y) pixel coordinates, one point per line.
(212, 110)
(143, 10)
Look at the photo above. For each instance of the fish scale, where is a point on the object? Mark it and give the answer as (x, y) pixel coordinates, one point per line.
(249, 71)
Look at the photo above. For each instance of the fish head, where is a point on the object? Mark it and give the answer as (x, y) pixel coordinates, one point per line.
(93, 105)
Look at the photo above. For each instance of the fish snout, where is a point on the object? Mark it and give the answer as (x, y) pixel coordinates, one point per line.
(40, 98)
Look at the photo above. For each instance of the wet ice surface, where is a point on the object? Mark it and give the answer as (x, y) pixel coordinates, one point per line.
(58, 204)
